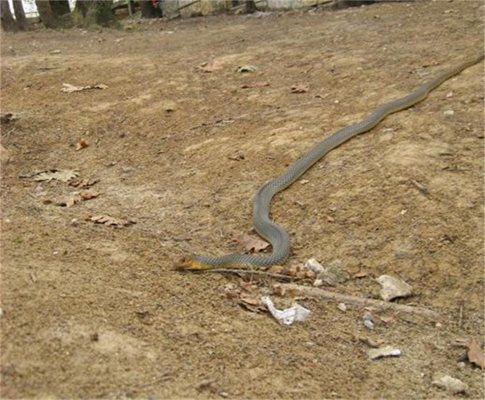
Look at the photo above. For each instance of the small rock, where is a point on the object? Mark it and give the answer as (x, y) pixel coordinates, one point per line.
(334, 273)
(461, 365)
(393, 288)
(169, 106)
(246, 68)
(56, 51)
(318, 283)
(342, 307)
(449, 113)
(449, 94)
(314, 265)
(386, 351)
(368, 320)
(74, 222)
(450, 384)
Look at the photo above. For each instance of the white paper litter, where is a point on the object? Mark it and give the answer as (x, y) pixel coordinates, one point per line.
(386, 351)
(288, 316)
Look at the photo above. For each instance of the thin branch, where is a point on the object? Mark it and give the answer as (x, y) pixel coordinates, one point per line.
(359, 301)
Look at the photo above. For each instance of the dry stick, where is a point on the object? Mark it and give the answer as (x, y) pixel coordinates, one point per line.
(359, 301)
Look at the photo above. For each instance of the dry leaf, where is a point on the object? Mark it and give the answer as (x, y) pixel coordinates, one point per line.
(6, 118)
(246, 68)
(361, 274)
(252, 244)
(68, 88)
(256, 84)
(88, 194)
(82, 144)
(211, 67)
(475, 353)
(110, 221)
(83, 183)
(299, 89)
(56, 174)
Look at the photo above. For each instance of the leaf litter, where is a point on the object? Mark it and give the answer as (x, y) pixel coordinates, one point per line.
(68, 88)
(110, 221)
(251, 243)
(63, 175)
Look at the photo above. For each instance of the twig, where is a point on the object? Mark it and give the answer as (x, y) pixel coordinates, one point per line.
(359, 301)
(186, 5)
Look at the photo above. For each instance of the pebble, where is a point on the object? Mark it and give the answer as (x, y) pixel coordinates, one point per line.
(342, 307)
(386, 351)
(368, 320)
(449, 113)
(393, 288)
(334, 273)
(314, 265)
(450, 384)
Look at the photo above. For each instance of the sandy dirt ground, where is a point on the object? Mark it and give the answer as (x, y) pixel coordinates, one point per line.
(97, 311)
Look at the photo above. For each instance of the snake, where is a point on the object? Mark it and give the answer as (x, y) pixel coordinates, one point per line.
(275, 234)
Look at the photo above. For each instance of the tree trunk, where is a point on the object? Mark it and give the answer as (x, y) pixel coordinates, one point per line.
(81, 8)
(45, 12)
(18, 9)
(60, 7)
(8, 23)
(99, 12)
(147, 9)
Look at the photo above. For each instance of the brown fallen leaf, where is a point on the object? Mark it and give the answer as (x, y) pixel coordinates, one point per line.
(475, 353)
(211, 67)
(74, 198)
(299, 89)
(82, 144)
(110, 221)
(7, 117)
(83, 183)
(256, 84)
(88, 194)
(251, 243)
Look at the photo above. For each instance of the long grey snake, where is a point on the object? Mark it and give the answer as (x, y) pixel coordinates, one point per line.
(275, 234)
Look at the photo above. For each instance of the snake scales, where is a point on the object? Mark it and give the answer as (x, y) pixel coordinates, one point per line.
(272, 232)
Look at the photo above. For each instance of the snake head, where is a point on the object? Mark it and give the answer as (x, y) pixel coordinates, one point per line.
(190, 263)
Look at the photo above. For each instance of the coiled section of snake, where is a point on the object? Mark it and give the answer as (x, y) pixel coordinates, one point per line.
(275, 234)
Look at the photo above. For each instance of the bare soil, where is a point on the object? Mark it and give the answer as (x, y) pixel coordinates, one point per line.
(91, 311)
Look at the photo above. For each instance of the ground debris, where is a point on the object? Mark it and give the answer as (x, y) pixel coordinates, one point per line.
(63, 175)
(110, 221)
(68, 88)
(450, 384)
(393, 288)
(475, 353)
(211, 66)
(246, 68)
(83, 183)
(332, 274)
(246, 295)
(82, 144)
(255, 84)
(299, 88)
(7, 117)
(385, 351)
(251, 243)
(287, 316)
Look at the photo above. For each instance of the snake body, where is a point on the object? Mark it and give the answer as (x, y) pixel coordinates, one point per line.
(275, 234)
